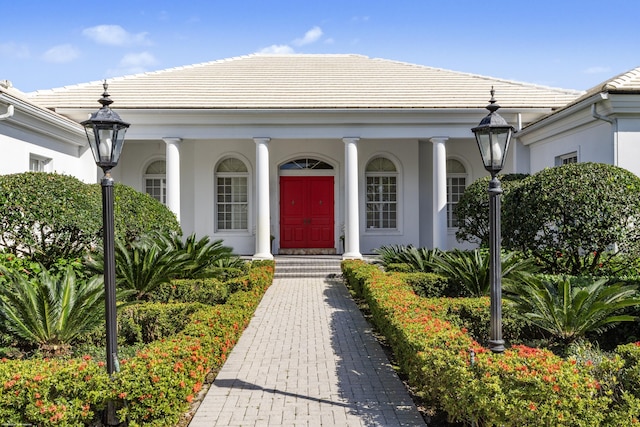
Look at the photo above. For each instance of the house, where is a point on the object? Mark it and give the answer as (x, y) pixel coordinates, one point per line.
(603, 125)
(315, 153)
(33, 138)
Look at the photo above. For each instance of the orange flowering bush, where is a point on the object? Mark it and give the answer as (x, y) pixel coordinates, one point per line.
(153, 388)
(522, 387)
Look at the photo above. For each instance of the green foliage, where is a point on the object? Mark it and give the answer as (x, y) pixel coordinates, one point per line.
(51, 311)
(522, 387)
(473, 208)
(46, 216)
(137, 214)
(143, 265)
(418, 259)
(156, 386)
(576, 215)
(206, 291)
(426, 285)
(471, 269)
(568, 310)
(148, 322)
(206, 257)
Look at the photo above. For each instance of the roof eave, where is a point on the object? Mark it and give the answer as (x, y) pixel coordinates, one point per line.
(563, 113)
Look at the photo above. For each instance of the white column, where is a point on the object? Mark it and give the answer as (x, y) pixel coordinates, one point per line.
(352, 215)
(439, 193)
(263, 221)
(173, 174)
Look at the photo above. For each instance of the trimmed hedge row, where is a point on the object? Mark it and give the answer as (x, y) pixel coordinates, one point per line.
(522, 387)
(154, 388)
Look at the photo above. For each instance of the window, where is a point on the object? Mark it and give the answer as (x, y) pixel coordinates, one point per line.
(39, 163)
(565, 159)
(382, 194)
(232, 210)
(456, 184)
(302, 164)
(155, 180)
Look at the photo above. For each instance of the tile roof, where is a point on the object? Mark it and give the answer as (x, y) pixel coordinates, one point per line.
(300, 81)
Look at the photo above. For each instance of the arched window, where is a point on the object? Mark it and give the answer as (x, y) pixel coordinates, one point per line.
(155, 180)
(301, 164)
(232, 198)
(456, 184)
(382, 194)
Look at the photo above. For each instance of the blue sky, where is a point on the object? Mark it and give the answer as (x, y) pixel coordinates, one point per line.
(567, 44)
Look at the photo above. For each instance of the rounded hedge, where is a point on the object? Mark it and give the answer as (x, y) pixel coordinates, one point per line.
(138, 213)
(46, 216)
(472, 209)
(574, 218)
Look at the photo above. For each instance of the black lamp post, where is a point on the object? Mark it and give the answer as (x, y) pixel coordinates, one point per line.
(105, 132)
(493, 135)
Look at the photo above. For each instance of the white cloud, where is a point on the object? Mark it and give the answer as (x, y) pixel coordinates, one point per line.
(597, 70)
(114, 35)
(142, 59)
(133, 63)
(14, 50)
(277, 48)
(310, 36)
(61, 54)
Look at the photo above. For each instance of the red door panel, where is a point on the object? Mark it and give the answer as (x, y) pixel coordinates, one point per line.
(306, 212)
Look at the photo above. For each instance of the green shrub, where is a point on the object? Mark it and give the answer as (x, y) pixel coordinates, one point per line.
(399, 267)
(206, 291)
(205, 256)
(156, 386)
(472, 269)
(137, 214)
(419, 259)
(147, 322)
(48, 311)
(472, 209)
(576, 214)
(46, 216)
(426, 285)
(143, 265)
(567, 309)
(522, 387)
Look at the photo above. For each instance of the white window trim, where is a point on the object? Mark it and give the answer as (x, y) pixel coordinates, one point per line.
(146, 176)
(449, 194)
(399, 196)
(562, 159)
(250, 227)
(45, 164)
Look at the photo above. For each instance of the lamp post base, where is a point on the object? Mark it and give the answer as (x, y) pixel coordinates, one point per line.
(496, 346)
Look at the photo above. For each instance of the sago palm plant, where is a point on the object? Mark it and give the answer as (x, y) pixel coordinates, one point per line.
(203, 253)
(51, 311)
(419, 259)
(567, 310)
(143, 265)
(471, 269)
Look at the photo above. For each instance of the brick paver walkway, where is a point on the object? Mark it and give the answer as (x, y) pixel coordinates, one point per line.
(307, 358)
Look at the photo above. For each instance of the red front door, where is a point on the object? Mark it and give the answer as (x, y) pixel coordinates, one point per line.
(306, 212)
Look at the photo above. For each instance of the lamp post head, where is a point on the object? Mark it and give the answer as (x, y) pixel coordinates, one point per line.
(105, 133)
(493, 136)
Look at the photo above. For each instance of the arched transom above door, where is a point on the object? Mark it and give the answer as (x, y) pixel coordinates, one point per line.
(306, 164)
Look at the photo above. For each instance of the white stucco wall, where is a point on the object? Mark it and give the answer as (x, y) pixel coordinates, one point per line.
(628, 144)
(17, 146)
(592, 142)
